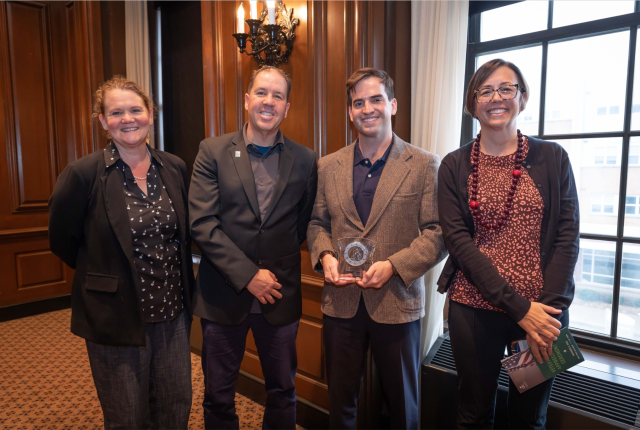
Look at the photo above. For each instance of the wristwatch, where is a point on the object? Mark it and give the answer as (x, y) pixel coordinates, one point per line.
(323, 253)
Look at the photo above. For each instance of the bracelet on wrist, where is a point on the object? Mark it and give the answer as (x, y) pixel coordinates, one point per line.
(324, 253)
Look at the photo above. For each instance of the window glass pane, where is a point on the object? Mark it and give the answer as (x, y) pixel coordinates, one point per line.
(597, 183)
(574, 12)
(634, 153)
(507, 21)
(583, 76)
(629, 314)
(529, 61)
(635, 108)
(591, 308)
(632, 207)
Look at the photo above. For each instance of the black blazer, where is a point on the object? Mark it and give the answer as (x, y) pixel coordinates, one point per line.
(89, 230)
(235, 243)
(549, 166)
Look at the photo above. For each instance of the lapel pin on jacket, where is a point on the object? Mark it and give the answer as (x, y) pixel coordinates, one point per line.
(237, 154)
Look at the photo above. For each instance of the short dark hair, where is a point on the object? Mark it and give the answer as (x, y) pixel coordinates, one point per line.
(483, 73)
(369, 72)
(265, 69)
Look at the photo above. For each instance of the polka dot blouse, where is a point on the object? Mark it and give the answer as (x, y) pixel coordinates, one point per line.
(156, 241)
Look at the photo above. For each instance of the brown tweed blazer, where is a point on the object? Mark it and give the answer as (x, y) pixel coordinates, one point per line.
(403, 223)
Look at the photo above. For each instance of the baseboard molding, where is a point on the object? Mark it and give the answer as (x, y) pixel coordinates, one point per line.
(15, 312)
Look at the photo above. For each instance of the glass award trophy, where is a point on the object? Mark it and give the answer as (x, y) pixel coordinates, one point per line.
(355, 256)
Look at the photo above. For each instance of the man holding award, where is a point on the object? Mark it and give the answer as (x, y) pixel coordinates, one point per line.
(374, 233)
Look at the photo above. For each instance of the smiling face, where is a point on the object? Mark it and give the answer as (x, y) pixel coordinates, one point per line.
(266, 102)
(371, 110)
(498, 113)
(126, 118)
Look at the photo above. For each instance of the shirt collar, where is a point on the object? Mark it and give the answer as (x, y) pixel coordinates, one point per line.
(358, 157)
(111, 155)
(279, 137)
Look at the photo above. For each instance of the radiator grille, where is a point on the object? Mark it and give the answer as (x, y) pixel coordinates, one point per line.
(606, 399)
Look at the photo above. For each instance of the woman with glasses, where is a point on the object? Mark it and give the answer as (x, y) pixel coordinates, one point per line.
(509, 214)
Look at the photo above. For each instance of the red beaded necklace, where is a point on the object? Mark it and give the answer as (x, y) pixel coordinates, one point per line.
(516, 174)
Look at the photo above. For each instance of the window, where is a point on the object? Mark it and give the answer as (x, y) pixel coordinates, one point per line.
(582, 63)
(634, 154)
(606, 204)
(630, 270)
(632, 205)
(598, 266)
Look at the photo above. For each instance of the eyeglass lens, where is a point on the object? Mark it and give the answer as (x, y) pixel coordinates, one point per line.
(506, 92)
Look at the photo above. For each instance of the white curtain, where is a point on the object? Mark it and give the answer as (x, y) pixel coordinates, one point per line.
(438, 53)
(137, 46)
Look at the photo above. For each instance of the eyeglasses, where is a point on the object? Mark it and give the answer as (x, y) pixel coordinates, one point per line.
(506, 92)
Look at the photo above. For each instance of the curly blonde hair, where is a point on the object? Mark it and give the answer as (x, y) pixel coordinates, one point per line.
(119, 82)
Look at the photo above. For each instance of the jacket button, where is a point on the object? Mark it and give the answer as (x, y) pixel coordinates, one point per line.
(539, 185)
(261, 231)
(529, 166)
(542, 254)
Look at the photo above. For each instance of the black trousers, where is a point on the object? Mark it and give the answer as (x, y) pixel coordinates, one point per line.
(222, 352)
(478, 339)
(396, 352)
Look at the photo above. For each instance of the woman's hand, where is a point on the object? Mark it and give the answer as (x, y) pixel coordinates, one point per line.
(540, 326)
(540, 353)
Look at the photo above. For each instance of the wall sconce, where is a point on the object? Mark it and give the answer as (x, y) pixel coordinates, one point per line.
(267, 39)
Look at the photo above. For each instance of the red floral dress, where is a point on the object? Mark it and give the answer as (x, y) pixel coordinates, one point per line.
(513, 249)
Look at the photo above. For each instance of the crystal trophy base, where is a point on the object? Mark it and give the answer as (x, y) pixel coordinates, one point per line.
(355, 256)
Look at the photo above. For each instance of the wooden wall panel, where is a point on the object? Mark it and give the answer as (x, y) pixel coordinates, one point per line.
(31, 148)
(338, 69)
(29, 270)
(50, 64)
(51, 269)
(334, 38)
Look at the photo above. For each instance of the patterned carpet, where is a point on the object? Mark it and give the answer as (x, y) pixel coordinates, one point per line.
(45, 379)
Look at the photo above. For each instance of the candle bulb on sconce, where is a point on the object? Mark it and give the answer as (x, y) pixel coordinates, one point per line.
(240, 19)
(267, 38)
(271, 8)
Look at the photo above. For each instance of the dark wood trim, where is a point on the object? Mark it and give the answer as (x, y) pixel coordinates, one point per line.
(23, 232)
(317, 74)
(15, 312)
(210, 70)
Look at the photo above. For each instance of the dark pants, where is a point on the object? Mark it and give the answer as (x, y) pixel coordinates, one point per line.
(478, 339)
(222, 352)
(396, 352)
(146, 387)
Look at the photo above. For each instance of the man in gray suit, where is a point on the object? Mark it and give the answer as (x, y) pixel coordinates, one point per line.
(383, 189)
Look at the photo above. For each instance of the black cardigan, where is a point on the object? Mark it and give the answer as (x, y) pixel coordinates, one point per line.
(89, 230)
(549, 167)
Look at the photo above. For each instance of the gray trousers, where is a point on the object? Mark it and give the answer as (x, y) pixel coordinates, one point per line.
(146, 387)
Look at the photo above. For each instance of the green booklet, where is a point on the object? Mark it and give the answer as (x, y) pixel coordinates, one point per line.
(526, 372)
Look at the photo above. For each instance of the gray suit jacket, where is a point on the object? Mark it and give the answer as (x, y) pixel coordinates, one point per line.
(403, 223)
